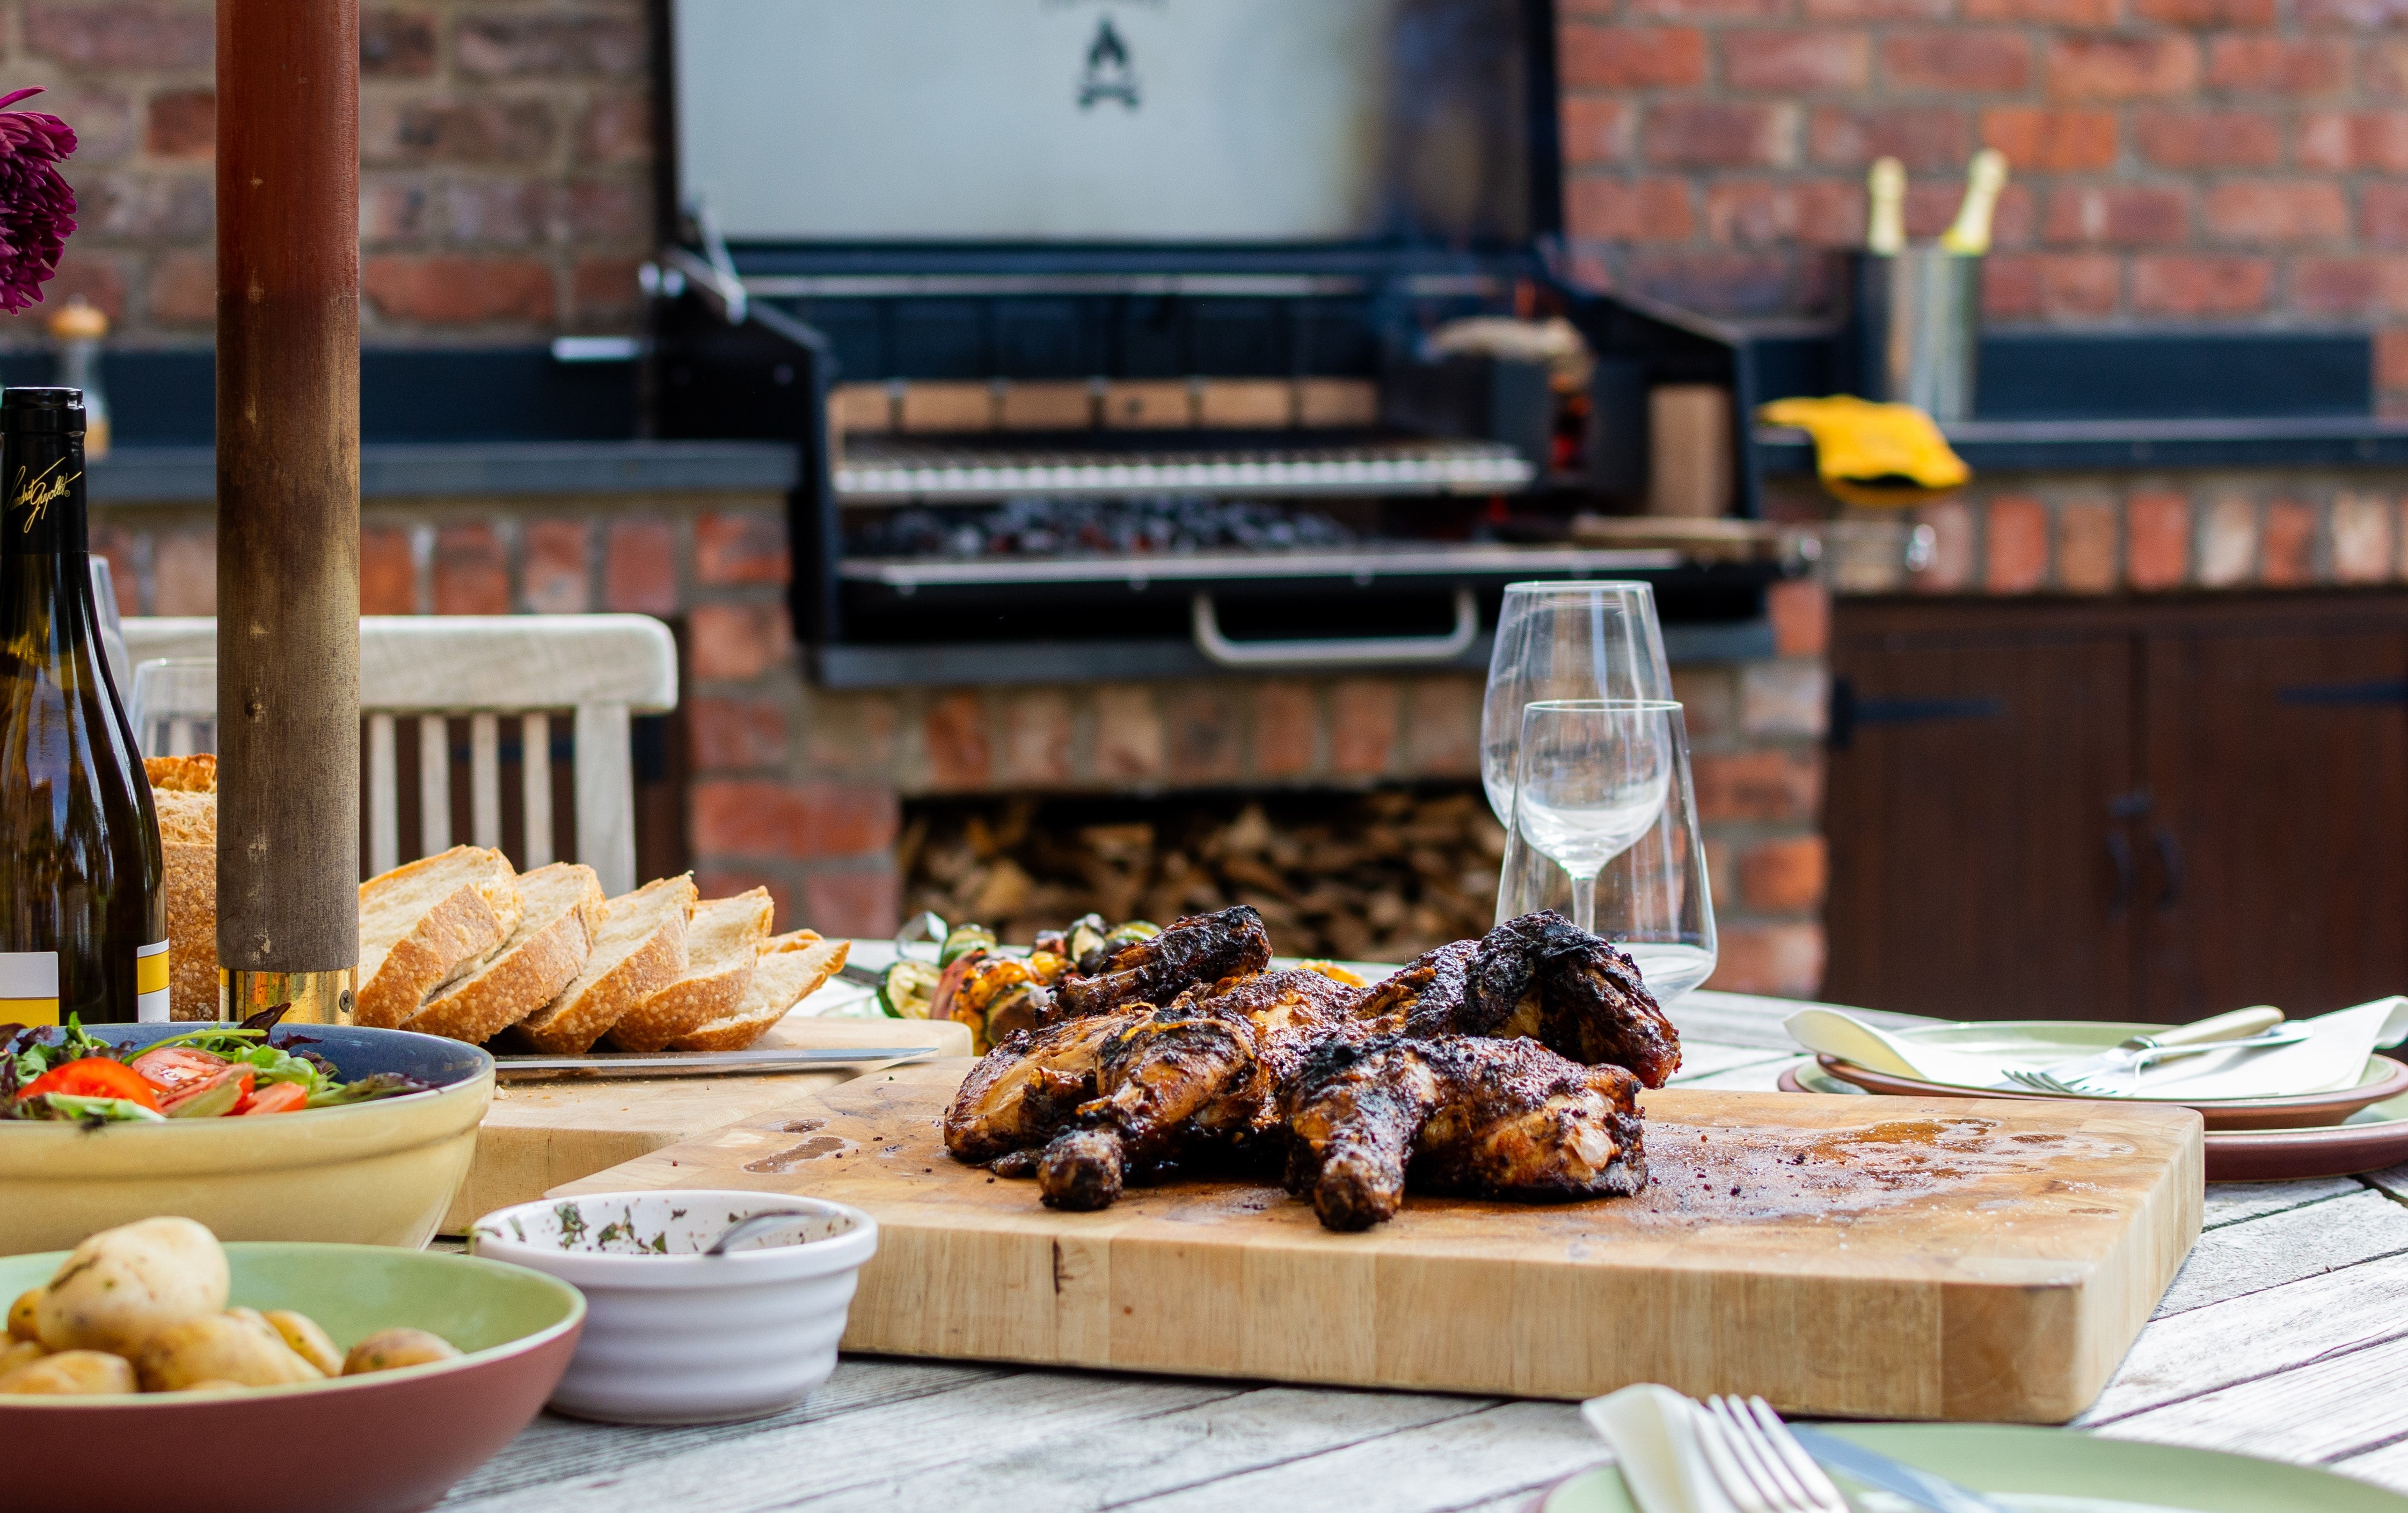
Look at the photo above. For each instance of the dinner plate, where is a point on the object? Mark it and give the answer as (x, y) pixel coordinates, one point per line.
(2046, 1042)
(2060, 1471)
(2369, 1140)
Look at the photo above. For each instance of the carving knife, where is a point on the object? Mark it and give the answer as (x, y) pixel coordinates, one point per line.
(1872, 1469)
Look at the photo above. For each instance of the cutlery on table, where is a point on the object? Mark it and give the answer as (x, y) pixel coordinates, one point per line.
(1872, 1469)
(2247, 1029)
(706, 1063)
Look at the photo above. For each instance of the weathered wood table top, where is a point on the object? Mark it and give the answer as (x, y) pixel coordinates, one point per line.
(2285, 1336)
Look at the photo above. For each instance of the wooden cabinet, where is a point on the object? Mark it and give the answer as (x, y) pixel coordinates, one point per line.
(2128, 811)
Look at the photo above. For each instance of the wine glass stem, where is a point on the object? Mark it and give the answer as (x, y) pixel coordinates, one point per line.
(1584, 901)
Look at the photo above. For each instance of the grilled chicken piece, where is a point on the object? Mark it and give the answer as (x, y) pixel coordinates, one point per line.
(1543, 976)
(1200, 950)
(1025, 1090)
(1425, 998)
(1202, 1073)
(1481, 1118)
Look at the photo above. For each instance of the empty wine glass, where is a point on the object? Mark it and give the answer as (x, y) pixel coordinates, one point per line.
(1591, 781)
(1573, 640)
(176, 706)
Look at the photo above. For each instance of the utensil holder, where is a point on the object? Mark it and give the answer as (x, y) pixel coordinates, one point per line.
(1918, 329)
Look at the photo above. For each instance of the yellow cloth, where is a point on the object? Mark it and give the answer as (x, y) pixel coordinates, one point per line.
(1873, 454)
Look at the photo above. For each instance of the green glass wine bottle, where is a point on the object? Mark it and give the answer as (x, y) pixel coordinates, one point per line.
(83, 915)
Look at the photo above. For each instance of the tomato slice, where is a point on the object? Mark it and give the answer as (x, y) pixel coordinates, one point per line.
(276, 1098)
(172, 1070)
(94, 1076)
(208, 1097)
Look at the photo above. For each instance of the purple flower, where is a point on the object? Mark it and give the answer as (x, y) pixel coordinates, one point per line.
(36, 207)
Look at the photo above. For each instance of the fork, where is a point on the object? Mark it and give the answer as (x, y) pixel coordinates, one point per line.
(2103, 1084)
(1757, 1465)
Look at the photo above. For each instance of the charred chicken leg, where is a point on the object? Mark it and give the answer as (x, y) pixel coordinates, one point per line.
(1200, 950)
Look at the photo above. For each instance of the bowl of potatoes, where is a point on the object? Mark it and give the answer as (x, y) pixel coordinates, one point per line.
(401, 1370)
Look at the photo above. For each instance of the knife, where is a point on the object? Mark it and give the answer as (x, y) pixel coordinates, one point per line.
(2238, 1026)
(706, 1063)
(1873, 1469)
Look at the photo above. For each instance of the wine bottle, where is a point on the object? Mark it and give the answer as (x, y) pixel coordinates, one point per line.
(83, 915)
(1969, 236)
(1885, 196)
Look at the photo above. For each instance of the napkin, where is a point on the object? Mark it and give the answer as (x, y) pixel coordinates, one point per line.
(2333, 1058)
(1654, 1434)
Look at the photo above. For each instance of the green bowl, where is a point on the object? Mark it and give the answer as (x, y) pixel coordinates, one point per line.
(386, 1441)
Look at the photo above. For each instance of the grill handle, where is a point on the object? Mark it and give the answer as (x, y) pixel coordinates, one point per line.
(1336, 651)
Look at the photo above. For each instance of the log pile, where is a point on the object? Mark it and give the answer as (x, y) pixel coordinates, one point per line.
(1376, 877)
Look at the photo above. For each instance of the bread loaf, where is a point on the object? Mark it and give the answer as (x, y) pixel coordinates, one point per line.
(723, 941)
(562, 910)
(791, 969)
(427, 922)
(641, 948)
(183, 789)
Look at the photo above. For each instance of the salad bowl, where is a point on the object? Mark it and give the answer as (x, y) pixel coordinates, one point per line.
(374, 1172)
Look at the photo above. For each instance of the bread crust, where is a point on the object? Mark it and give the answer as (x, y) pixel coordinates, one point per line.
(586, 1011)
(182, 774)
(529, 973)
(739, 1031)
(192, 891)
(700, 996)
(447, 941)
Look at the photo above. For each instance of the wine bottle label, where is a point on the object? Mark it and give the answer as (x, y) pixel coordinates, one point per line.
(29, 987)
(150, 983)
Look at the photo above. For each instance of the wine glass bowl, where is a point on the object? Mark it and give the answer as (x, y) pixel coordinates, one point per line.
(1563, 640)
(1592, 779)
(176, 706)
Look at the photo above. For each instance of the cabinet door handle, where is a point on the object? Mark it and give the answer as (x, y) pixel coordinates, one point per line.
(2170, 859)
(2119, 851)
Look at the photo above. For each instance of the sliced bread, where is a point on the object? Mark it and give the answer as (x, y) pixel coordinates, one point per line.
(791, 969)
(722, 940)
(639, 950)
(563, 910)
(184, 792)
(427, 922)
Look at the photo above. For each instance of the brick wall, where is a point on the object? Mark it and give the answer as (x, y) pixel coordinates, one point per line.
(2175, 160)
(504, 154)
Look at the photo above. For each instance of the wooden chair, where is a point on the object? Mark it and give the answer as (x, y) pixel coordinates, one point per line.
(433, 668)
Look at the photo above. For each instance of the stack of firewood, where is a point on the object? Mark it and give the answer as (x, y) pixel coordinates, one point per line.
(1379, 877)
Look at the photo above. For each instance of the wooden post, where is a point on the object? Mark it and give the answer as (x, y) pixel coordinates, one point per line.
(287, 421)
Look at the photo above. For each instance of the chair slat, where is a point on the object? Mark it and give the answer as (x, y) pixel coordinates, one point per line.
(384, 798)
(605, 820)
(434, 784)
(485, 780)
(535, 773)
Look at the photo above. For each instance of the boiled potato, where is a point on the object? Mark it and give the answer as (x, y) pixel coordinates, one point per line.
(307, 1340)
(70, 1374)
(239, 1347)
(216, 1385)
(124, 1285)
(389, 1347)
(21, 1315)
(20, 1352)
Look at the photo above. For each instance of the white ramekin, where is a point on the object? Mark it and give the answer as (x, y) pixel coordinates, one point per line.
(675, 1336)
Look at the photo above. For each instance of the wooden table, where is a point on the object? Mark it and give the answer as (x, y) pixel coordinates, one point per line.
(2285, 1336)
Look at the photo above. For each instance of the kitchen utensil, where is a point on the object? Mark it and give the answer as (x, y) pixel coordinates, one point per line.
(1759, 1466)
(1873, 1468)
(673, 1335)
(2079, 1075)
(1592, 779)
(702, 1062)
(762, 1224)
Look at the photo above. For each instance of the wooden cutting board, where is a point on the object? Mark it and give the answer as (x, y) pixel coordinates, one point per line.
(539, 1135)
(1859, 1256)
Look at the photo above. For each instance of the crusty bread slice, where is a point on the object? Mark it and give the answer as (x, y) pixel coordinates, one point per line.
(427, 922)
(640, 950)
(183, 789)
(182, 774)
(563, 910)
(722, 940)
(791, 970)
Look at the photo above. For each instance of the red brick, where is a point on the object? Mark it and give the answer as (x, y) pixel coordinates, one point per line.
(1363, 726)
(607, 210)
(2119, 214)
(1129, 737)
(127, 36)
(1958, 61)
(1718, 283)
(1630, 57)
(396, 44)
(2293, 68)
(2390, 359)
(183, 289)
(124, 578)
(2349, 285)
(2228, 542)
(1783, 213)
(145, 208)
(960, 753)
(1783, 960)
(391, 212)
(2288, 553)
(506, 212)
(2192, 285)
(504, 45)
(1856, 11)
(2039, 140)
(2156, 540)
(388, 571)
(1442, 735)
(1786, 875)
(2363, 550)
(2016, 556)
(2208, 138)
(1711, 135)
(2341, 141)
(2383, 67)
(1763, 785)
(1951, 568)
(2050, 285)
(853, 901)
(639, 567)
(740, 549)
(736, 641)
(2121, 67)
(557, 577)
(762, 816)
(851, 733)
(1800, 612)
(181, 124)
(472, 572)
(2078, 13)
(458, 290)
(97, 276)
(1686, 9)
(603, 291)
(2382, 214)
(1622, 210)
(2351, 15)
(413, 129)
(1201, 727)
(616, 129)
(1034, 743)
(2086, 547)
(185, 572)
(2207, 12)
(2268, 211)
(727, 734)
(1287, 729)
(1794, 62)
(1597, 131)
(1924, 138)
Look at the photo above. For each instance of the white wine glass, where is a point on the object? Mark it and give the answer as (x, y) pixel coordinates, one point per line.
(1592, 779)
(1565, 640)
(176, 706)
(1655, 901)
